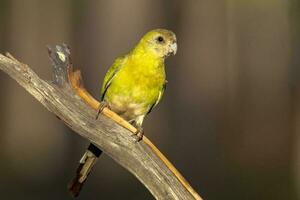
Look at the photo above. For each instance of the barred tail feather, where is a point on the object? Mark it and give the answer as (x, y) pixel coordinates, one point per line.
(87, 162)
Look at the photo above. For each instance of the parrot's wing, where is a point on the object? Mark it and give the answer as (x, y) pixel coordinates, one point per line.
(161, 92)
(117, 65)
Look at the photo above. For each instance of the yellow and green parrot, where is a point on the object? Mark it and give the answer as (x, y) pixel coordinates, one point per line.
(132, 87)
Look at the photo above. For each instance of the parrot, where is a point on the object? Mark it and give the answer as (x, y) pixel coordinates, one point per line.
(132, 87)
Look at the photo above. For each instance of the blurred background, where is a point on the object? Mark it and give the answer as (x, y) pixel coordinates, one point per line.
(229, 119)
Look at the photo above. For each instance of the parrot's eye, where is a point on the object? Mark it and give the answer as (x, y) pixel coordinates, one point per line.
(160, 39)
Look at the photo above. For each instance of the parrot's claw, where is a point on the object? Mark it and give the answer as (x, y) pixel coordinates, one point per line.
(101, 107)
(139, 133)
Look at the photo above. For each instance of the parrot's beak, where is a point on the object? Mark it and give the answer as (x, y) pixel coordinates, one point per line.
(173, 48)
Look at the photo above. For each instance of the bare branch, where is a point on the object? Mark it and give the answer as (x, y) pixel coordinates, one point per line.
(66, 97)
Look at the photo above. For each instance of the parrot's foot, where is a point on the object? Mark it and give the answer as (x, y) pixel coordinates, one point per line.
(139, 133)
(101, 107)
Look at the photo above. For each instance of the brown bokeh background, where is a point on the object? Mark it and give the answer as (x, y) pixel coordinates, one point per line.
(229, 119)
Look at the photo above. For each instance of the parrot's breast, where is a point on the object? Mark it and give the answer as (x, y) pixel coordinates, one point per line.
(133, 92)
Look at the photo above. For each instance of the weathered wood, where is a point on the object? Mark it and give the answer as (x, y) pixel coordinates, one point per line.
(142, 159)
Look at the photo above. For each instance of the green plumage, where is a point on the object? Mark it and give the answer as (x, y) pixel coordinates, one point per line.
(134, 84)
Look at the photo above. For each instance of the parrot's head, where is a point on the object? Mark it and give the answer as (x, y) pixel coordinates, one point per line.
(159, 42)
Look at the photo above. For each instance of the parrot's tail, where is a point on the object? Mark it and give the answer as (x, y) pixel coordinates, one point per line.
(86, 164)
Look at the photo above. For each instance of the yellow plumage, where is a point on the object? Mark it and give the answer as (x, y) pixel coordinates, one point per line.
(132, 86)
(135, 82)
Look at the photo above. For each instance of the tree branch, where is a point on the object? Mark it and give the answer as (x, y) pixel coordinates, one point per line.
(66, 97)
